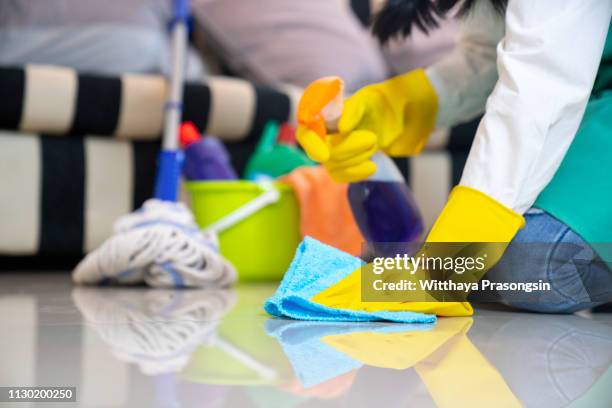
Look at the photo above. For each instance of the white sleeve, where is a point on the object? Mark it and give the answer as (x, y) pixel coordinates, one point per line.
(547, 63)
(465, 78)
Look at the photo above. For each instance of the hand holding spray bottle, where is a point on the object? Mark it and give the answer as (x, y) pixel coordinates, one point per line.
(382, 205)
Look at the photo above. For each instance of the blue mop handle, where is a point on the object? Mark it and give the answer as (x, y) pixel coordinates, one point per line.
(171, 158)
(181, 10)
(169, 165)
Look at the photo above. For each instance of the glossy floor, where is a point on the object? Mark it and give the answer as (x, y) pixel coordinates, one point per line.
(163, 348)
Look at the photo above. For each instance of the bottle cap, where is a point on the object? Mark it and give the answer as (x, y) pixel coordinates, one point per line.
(286, 135)
(189, 134)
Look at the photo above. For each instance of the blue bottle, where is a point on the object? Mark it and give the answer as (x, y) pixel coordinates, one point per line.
(384, 209)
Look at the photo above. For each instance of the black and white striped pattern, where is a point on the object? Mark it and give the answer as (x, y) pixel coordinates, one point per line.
(60, 194)
(55, 100)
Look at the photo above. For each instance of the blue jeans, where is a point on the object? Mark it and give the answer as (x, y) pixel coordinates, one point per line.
(579, 279)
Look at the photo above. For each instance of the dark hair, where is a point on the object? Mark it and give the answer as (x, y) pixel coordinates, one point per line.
(397, 17)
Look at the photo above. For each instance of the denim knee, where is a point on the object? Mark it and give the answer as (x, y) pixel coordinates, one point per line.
(559, 306)
(549, 251)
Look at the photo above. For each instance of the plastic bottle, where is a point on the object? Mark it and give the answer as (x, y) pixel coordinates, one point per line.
(385, 210)
(272, 159)
(382, 205)
(205, 157)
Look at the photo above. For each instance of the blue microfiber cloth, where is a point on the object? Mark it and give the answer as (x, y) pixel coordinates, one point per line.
(314, 268)
(314, 361)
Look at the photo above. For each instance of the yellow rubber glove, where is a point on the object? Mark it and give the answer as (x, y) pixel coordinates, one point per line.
(346, 159)
(469, 216)
(401, 112)
(396, 116)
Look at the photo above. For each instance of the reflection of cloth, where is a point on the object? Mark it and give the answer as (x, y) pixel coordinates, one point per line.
(315, 268)
(325, 213)
(453, 370)
(548, 361)
(155, 329)
(313, 360)
(579, 278)
(497, 359)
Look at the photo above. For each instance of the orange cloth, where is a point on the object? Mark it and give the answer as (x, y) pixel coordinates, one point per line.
(325, 213)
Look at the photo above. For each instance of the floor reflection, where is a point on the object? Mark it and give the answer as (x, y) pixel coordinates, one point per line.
(157, 330)
(218, 347)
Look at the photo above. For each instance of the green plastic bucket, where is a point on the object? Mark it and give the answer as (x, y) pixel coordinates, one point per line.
(260, 246)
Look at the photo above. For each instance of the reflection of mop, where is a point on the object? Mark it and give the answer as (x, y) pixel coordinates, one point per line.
(266, 373)
(157, 330)
(160, 244)
(240, 353)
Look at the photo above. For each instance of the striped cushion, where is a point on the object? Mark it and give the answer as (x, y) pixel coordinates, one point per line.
(60, 193)
(57, 100)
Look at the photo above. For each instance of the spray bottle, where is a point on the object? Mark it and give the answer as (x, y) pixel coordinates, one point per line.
(205, 157)
(272, 159)
(383, 205)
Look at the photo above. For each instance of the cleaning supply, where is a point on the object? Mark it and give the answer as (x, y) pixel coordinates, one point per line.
(315, 268)
(160, 244)
(469, 217)
(325, 213)
(383, 204)
(206, 158)
(286, 135)
(478, 225)
(385, 209)
(257, 224)
(272, 160)
(170, 156)
(396, 116)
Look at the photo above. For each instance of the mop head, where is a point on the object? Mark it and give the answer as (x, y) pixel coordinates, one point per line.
(159, 245)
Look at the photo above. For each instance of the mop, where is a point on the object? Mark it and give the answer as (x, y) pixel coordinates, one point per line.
(160, 244)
